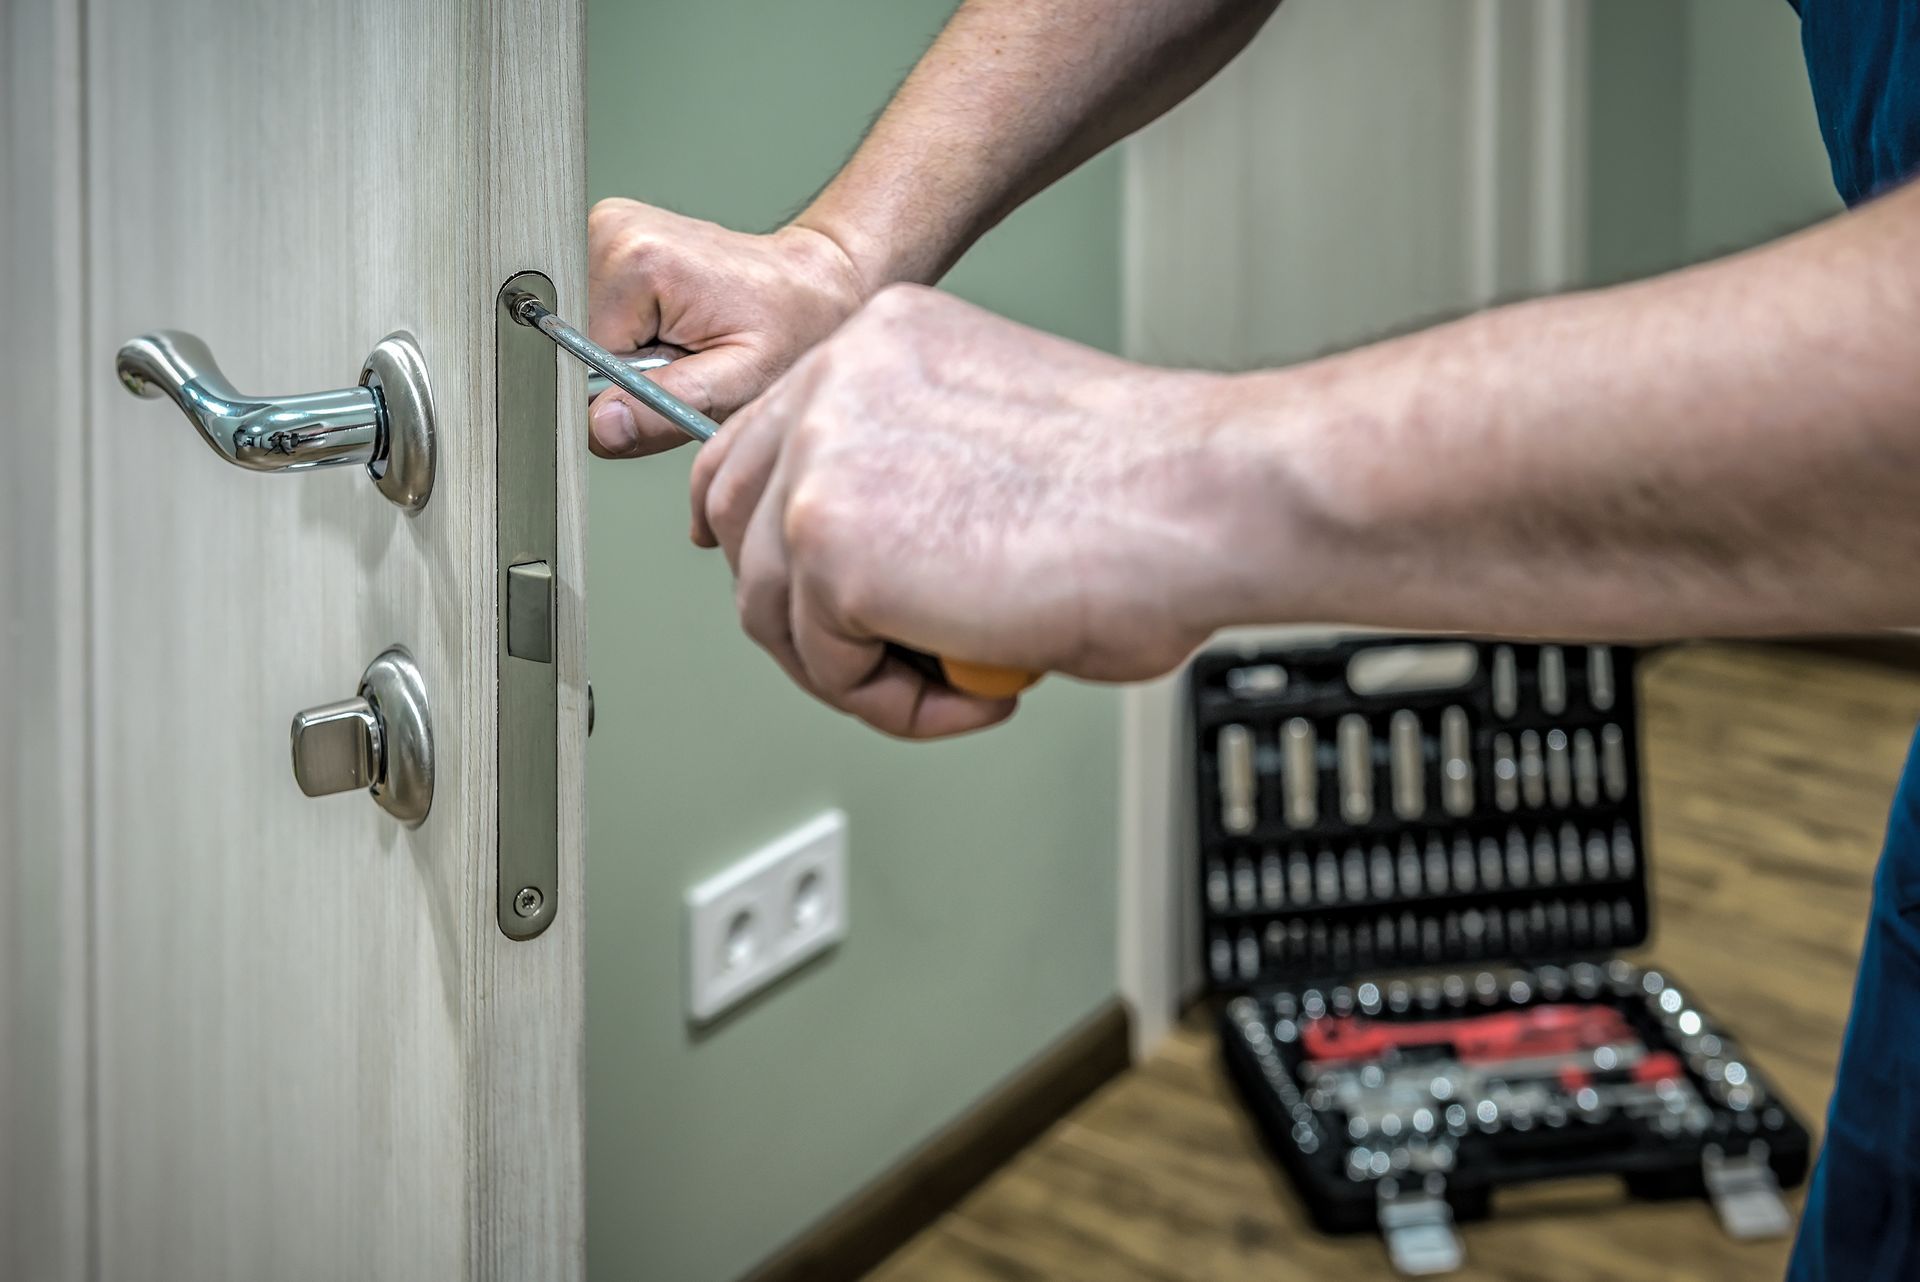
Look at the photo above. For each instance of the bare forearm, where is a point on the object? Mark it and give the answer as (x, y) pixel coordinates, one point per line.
(1733, 449)
(1013, 95)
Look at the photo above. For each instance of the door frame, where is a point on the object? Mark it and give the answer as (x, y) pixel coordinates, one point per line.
(1526, 160)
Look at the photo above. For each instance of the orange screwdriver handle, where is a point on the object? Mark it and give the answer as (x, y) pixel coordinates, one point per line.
(981, 680)
(985, 681)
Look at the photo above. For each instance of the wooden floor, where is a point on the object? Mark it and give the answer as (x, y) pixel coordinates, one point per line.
(1770, 772)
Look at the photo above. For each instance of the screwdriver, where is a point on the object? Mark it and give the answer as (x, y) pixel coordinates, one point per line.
(981, 680)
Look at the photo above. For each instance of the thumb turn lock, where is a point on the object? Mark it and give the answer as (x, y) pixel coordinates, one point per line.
(378, 740)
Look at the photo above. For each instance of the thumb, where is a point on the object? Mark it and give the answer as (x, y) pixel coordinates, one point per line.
(716, 382)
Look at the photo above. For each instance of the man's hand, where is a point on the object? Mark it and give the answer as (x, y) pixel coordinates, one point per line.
(746, 307)
(935, 475)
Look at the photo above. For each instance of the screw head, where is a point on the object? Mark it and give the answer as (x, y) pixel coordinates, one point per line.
(529, 901)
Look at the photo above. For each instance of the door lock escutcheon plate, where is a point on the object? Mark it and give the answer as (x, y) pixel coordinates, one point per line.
(526, 465)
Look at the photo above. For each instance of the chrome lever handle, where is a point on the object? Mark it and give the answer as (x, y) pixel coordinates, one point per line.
(385, 422)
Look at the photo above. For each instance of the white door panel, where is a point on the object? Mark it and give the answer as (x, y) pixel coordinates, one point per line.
(316, 1053)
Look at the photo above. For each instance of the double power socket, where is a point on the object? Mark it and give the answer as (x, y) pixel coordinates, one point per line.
(766, 915)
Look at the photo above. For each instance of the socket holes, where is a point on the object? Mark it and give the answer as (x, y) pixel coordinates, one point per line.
(809, 901)
(741, 941)
(1408, 669)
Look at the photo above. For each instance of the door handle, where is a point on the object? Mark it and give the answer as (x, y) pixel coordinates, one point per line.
(384, 422)
(379, 740)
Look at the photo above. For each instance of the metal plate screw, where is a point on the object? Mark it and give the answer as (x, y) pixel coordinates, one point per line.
(527, 903)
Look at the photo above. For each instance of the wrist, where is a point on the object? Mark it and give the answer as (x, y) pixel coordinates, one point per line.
(864, 253)
(886, 225)
(819, 258)
(1268, 526)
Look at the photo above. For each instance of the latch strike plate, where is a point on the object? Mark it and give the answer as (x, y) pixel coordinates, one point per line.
(527, 574)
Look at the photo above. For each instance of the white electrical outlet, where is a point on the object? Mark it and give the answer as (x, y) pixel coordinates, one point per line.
(754, 921)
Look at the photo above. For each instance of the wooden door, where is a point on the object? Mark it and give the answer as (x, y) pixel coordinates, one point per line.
(315, 1053)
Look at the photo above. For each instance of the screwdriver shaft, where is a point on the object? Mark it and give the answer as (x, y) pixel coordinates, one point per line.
(530, 311)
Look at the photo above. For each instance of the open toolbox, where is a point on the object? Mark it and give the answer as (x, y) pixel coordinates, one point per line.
(1419, 858)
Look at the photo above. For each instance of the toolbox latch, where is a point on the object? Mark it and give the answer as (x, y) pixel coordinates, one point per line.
(1745, 1193)
(1418, 1228)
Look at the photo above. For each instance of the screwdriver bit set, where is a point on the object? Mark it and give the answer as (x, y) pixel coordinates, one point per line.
(1418, 859)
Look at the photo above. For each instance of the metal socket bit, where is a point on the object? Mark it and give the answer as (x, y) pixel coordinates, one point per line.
(1354, 874)
(1409, 868)
(1533, 783)
(1600, 677)
(1326, 878)
(1356, 768)
(1559, 768)
(1506, 682)
(1506, 773)
(1586, 769)
(1492, 876)
(1552, 671)
(1273, 880)
(1380, 862)
(1237, 805)
(1545, 869)
(1299, 878)
(1409, 765)
(1245, 891)
(1613, 761)
(1623, 853)
(1518, 869)
(1219, 890)
(1572, 861)
(1300, 750)
(1256, 680)
(1463, 868)
(1456, 763)
(1598, 856)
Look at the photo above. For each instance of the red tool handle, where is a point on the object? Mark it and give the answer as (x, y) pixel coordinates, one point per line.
(1515, 1034)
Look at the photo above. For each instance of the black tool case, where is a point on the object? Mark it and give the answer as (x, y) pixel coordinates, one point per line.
(1418, 860)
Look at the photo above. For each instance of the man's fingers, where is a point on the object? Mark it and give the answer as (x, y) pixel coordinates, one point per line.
(716, 382)
(613, 429)
(762, 592)
(857, 675)
(730, 478)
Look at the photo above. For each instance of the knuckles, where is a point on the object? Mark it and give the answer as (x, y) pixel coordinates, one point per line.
(727, 508)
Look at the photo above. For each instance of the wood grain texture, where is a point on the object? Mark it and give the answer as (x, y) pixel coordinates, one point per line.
(1770, 773)
(43, 847)
(318, 1057)
(529, 1071)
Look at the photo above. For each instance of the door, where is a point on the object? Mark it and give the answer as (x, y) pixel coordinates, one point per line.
(317, 1052)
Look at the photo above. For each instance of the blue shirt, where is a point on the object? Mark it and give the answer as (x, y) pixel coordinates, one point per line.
(1862, 1218)
(1864, 59)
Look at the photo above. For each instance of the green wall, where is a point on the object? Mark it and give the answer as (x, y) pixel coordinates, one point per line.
(1756, 166)
(983, 902)
(1702, 133)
